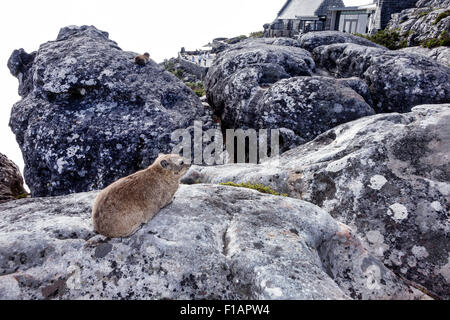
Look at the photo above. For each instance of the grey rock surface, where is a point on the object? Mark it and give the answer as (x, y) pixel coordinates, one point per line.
(440, 54)
(386, 176)
(308, 106)
(90, 115)
(397, 80)
(267, 84)
(11, 180)
(211, 242)
(312, 40)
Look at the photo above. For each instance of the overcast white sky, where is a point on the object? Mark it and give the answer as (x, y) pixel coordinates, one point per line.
(160, 27)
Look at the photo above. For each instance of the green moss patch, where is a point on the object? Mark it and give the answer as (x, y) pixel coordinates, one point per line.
(443, 40)
(391, 39)
(441, 16)
(257, 34)
(197, 87)
(258, 187)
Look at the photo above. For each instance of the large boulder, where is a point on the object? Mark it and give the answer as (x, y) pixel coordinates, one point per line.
(305, 106)
(90, 115)
(219, 46)
(211, 242)
(397, 80)
(386, 176)
(312, 40)
(11, 181)
(267, 84)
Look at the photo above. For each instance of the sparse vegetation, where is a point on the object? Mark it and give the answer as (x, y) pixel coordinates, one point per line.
(178, 73)
(443, 40)
(197, 87)
(391, 39)
(169, 65)
(257, 34)
(22, 196)
(258, 187)
(423, 13)
(441, 16)
(236, 39)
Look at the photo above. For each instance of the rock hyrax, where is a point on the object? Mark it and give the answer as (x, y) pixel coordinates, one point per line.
(121, 208)
(142, 59)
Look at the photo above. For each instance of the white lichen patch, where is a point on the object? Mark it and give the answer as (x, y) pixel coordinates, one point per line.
(356, 187)
(436, 205)
(338, 108)
(274, 292)
(60, 163)
(445, 271)
(398, 212)
(375, 236)
(376, 242)
(412, 261)
(377, 182)
(373, 274)
(72, 151)
(9, 287)
(74, 281)
(74, 136)
(420, 252)
(396, 257)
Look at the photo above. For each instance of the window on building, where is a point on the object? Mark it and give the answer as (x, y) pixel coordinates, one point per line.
(311, 25)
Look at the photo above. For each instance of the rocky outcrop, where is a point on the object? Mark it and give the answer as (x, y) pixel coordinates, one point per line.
(90, 115)
(11, 181)
(267, 84)
(312, 40)
(211, 242)
(420, 24)
(386, 176)
(440, 54)
(305, 107)
(397, 80)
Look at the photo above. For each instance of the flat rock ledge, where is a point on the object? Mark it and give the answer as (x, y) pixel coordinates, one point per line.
(211, 242)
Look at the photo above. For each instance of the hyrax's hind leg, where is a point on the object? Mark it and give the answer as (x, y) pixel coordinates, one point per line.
(127, 223)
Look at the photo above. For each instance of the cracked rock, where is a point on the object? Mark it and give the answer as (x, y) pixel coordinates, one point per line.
(211, 242)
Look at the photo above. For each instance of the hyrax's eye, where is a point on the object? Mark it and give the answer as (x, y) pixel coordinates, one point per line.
(164, 164)
(181, 162)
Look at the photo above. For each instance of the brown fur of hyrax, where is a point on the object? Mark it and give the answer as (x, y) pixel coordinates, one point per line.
(121, 208)
(142, 59)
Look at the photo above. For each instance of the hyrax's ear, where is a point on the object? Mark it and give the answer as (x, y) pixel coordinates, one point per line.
(164, 164)
(160, 154)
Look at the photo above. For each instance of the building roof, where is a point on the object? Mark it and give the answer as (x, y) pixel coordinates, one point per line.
(293, 8)
(371, 6)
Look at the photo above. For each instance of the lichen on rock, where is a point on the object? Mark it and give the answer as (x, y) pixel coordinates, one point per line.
(90, 115)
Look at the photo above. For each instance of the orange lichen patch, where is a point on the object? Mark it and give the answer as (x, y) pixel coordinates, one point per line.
(294, 184)
(285, 204)
(345, 233)
(290, 235)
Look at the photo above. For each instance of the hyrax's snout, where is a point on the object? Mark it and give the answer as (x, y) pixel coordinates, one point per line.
(183, 166)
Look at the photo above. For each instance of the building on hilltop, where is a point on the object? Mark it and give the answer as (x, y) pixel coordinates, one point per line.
(298, 16)
(357, 19)
(301, 16)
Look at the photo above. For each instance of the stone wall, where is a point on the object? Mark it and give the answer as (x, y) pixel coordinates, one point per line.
(385, 8)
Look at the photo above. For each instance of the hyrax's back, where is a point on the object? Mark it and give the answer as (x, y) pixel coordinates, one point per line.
(122, 207)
